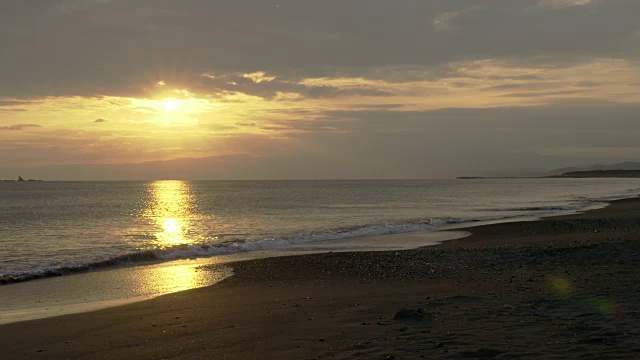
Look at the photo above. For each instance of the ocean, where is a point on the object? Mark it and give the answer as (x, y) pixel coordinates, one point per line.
(53, 229)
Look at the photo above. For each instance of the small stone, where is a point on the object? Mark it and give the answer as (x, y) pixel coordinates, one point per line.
(405, 314)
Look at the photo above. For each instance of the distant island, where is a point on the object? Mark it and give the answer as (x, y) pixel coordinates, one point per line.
(20, 179)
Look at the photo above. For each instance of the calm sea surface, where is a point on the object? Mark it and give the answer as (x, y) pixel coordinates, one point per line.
(53, 227)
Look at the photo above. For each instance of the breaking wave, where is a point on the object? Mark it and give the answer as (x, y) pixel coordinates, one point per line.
(232, 246)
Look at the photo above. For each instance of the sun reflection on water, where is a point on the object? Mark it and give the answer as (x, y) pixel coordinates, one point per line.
(183, 275)
(171, 207)
(172, 211)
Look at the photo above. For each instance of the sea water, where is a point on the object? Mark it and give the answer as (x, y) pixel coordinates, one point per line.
(53, 228)
(150, 238)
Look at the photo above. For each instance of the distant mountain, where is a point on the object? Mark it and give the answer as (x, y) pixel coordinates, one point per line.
(627, 165)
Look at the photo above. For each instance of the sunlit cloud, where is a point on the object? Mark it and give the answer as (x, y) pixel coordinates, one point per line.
(258, 77)
(19, 127)
(566, 3)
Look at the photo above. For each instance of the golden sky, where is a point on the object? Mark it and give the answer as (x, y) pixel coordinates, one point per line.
(299, 89)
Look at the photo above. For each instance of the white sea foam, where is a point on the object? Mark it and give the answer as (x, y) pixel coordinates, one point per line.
(243, 245)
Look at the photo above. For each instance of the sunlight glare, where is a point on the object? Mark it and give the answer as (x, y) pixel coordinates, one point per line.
(170, 105)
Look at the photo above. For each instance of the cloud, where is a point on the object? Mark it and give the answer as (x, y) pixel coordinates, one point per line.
(367, 142)
(373, 83)
(544, 93)
(587, 83)
(19, 127)
(9, 104)
(4, 103)
(269, 87)
(17, 110)
(377, 106)
(566, 3)
(134, 45)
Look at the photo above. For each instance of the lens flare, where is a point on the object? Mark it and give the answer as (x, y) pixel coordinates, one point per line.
(563, 288)
(560, 285)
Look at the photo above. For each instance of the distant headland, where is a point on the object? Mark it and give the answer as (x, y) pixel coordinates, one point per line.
(599, 174)
(627, 169)
(571, 175)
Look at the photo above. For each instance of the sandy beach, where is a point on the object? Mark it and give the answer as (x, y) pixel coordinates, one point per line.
(562, 287)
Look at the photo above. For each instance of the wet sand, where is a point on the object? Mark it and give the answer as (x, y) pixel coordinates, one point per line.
(557, 288)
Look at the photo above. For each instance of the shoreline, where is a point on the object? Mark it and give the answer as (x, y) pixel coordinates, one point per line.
(427, 218)
(561, 286)
(129, 260)
(59, 304)
(57, 288)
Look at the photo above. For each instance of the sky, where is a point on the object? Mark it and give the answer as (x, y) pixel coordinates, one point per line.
(322, 89)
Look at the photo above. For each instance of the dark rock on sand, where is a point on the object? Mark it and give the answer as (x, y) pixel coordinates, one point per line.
(483, 353)
(409, 315)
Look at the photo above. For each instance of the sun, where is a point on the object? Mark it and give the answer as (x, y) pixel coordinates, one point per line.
(170, 105)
